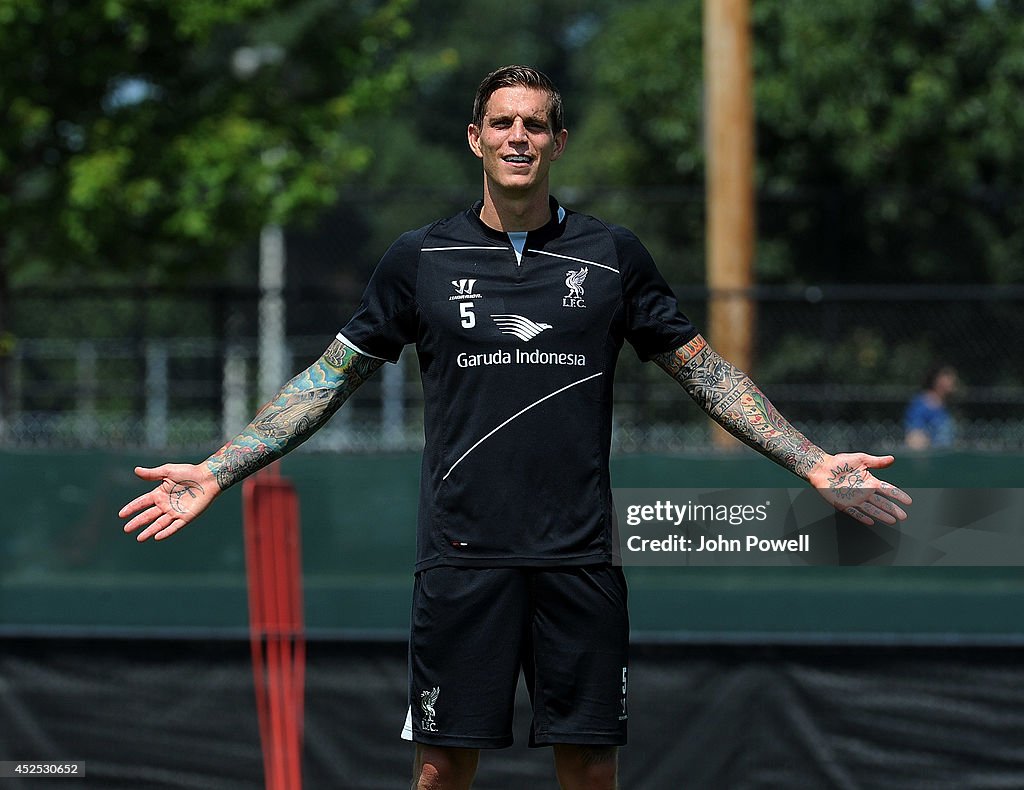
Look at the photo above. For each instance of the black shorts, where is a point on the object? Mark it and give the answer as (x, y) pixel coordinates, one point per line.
(474, 629)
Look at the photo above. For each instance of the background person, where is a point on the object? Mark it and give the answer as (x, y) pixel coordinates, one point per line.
(927, 420)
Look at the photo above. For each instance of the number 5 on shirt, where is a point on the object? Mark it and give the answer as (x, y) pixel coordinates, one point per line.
(468, 316)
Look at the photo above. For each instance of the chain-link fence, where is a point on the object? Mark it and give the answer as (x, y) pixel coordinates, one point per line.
(180, 369)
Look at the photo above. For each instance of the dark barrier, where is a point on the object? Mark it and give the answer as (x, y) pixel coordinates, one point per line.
(181, 714)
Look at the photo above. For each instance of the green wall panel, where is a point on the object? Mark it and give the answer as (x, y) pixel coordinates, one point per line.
(65, 563)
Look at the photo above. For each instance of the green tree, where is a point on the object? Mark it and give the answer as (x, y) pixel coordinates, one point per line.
(155, 138)
(888, 132)
(908, 109)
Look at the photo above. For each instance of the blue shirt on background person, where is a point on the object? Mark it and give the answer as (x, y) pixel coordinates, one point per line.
(927, 420)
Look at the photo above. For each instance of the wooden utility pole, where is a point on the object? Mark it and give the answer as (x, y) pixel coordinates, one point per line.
(729, 141)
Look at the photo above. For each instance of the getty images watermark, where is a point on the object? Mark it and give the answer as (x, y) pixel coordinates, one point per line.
(795, 526)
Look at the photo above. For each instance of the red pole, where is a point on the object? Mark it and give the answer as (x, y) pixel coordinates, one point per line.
(277, 629)
(257, 621)
(272, 634)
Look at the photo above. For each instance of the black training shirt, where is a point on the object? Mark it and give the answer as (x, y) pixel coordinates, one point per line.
(517, 358)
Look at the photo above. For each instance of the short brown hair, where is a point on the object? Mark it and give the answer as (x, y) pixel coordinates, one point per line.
(519, 76)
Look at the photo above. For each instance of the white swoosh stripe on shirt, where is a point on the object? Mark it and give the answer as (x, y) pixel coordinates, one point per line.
(516, 415)
(441, 249)
(578, 260)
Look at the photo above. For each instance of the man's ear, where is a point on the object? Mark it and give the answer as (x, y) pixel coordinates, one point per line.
(473, 137)
(560, 140)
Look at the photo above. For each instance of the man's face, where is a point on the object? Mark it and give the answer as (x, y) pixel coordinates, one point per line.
(515, 140)
(945, 383)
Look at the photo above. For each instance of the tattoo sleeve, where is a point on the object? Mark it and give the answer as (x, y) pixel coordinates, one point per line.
(730, 398)
(301, 408)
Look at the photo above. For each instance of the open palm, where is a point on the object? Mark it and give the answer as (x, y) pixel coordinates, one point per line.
(184, 491)
(846, 482)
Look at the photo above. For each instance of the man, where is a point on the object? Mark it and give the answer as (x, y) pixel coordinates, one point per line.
(518, 309)
(927, 420)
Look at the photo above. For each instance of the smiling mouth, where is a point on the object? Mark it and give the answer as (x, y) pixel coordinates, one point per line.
(518, 159)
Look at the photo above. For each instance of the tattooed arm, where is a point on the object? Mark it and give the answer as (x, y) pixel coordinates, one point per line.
(300, 409)
(733, 401)
(302, 406)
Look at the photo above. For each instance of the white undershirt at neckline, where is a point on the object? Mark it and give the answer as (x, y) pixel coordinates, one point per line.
(518, 237)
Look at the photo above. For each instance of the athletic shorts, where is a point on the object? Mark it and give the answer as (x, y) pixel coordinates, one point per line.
(475, 629)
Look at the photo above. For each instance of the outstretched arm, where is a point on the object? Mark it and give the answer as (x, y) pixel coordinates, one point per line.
(302, 406)
(730, 398)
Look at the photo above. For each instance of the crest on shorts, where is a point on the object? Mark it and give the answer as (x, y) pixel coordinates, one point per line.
(427, 700)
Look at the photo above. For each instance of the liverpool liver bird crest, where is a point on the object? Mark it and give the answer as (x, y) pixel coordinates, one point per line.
(574, 282)
(427, 700)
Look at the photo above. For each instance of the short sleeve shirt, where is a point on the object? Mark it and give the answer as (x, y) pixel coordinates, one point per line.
(517, 353)
(934, 419)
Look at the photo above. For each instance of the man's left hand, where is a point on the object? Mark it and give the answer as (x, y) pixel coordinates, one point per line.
(845, 481)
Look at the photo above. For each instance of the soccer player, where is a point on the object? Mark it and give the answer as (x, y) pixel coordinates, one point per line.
(518, 308)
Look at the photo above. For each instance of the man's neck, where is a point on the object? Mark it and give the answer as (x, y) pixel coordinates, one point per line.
(515, 213)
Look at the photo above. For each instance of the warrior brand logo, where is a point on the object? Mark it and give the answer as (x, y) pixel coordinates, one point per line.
(520, 326)
(427, 700)
(574, 282)
(464, 289)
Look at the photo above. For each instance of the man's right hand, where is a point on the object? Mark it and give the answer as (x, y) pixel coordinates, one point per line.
(183, 492)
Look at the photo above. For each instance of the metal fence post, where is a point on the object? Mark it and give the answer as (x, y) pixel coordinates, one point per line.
(272, 372)
(234, 414)
(85, 375)
(156, 394)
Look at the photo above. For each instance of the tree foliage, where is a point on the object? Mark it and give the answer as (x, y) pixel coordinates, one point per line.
(148, 142)
(888, 130)
(154, 136)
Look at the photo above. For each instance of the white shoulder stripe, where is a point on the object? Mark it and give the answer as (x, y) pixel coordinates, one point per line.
(577, 260)
(443, 249)
(519, 413)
